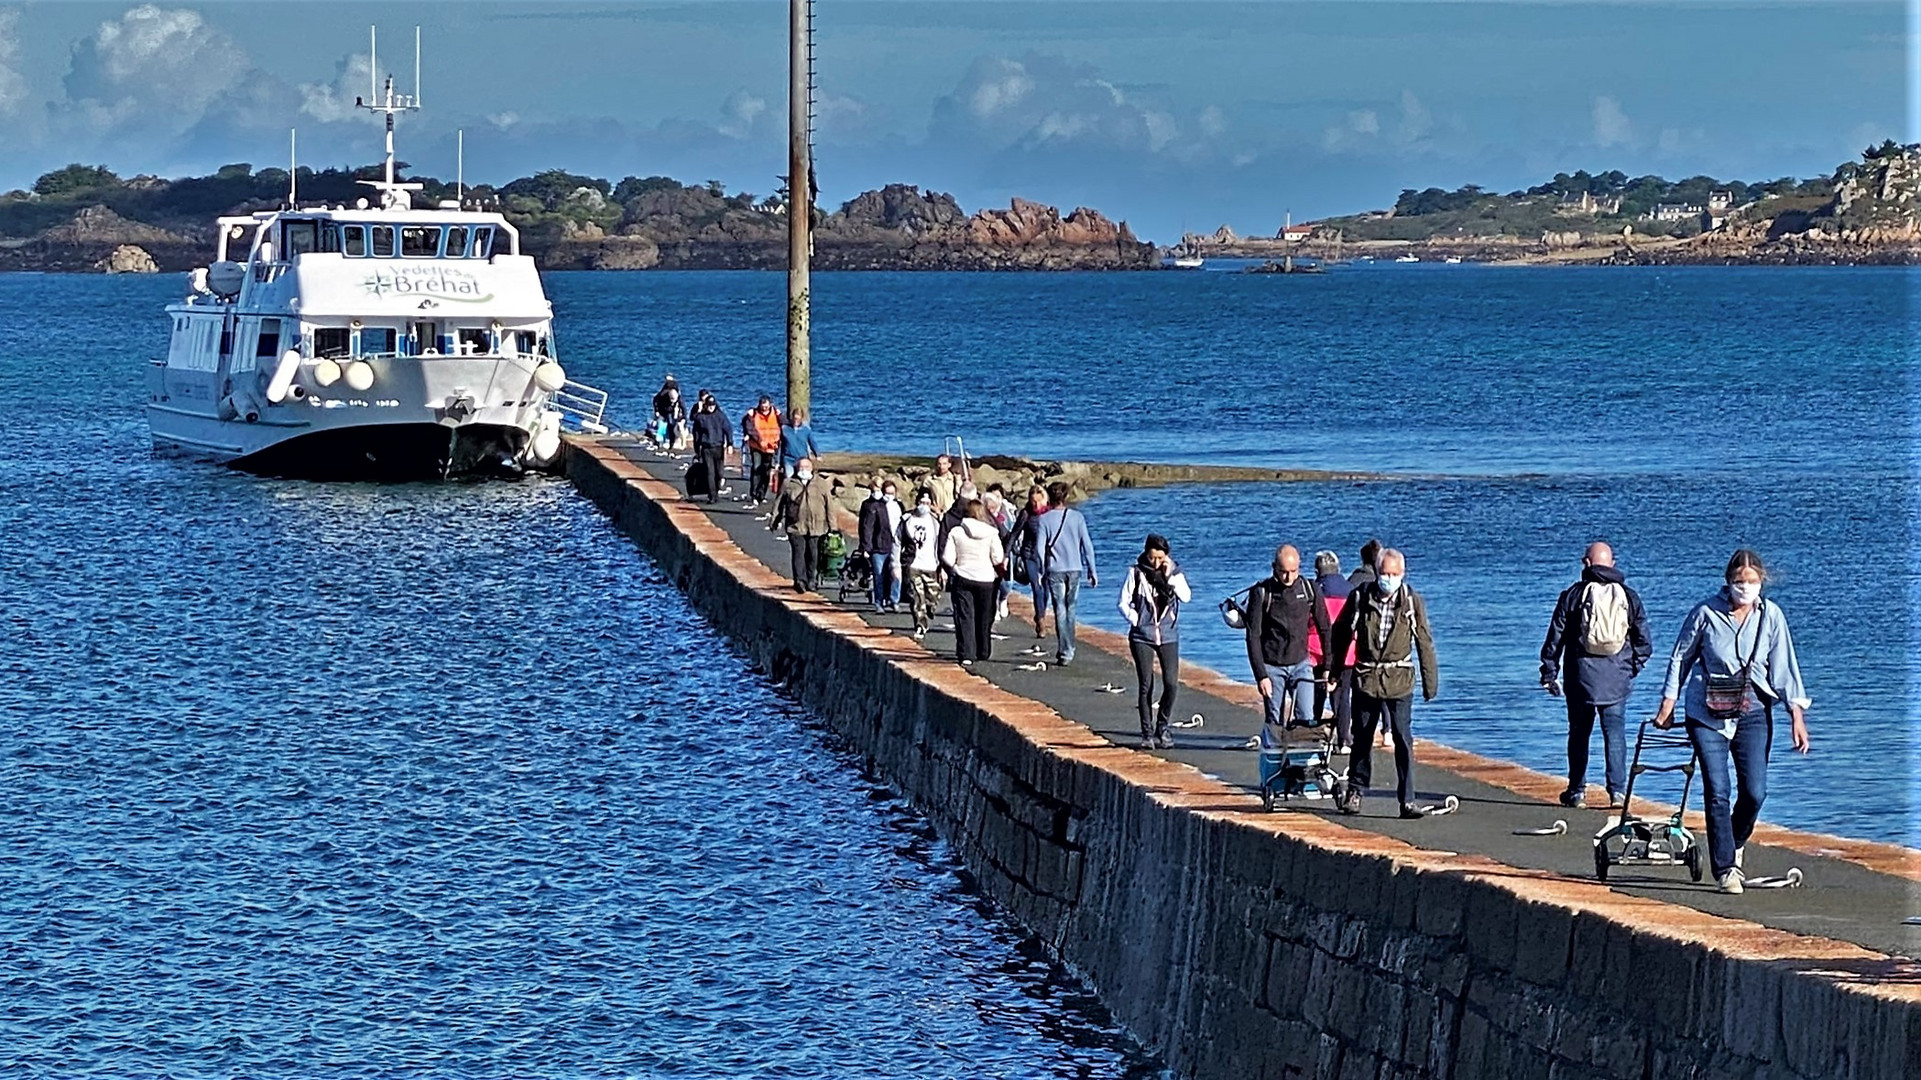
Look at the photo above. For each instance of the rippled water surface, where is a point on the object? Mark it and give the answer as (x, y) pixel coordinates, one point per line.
(430, 780)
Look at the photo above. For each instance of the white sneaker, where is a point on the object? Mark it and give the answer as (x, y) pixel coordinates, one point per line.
(1730, 883)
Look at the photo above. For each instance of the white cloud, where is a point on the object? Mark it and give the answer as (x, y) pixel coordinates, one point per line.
(503, 120)
(1213, 122)
(1611, 125)
(999, 85)
(1046, 102)
(153, 69)
(13, 85)
(332, 102)
(739, 112)
(1416, 120)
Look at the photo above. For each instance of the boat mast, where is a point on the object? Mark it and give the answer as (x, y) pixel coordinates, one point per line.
(389, 103)
(800, 202)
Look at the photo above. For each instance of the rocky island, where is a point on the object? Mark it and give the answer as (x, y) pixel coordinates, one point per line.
(1868, 211)
(85, 218)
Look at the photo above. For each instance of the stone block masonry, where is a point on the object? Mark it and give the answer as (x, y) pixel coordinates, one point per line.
(1240, 944)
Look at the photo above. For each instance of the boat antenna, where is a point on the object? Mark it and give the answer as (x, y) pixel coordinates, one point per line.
(389, 103)
(460, 164)
(293, 168)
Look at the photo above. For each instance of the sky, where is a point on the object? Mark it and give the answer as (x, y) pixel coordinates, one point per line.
(1172, 114)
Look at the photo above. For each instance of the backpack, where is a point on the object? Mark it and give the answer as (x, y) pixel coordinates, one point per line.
(905, 539)
(1604, 629)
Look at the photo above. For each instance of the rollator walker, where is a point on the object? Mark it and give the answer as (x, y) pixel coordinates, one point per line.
(1634, 841)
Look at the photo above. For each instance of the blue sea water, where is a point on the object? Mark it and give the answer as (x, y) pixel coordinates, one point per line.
(430, 780)
(446, 779)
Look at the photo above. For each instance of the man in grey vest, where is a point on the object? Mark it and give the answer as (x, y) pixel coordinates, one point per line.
(1386, 622)
(1597, 642)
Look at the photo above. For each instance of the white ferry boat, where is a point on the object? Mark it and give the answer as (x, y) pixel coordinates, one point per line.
(379, 339)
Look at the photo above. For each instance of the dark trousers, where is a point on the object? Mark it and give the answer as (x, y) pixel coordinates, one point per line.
(973, 618)
(1154, 721)
(1342, 692)
(762, 466)
(710, 459)
(1753, 738)
(1369, 714)
(1614, 743)
(806, 552)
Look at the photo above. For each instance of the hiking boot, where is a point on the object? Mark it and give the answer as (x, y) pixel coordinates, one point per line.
(1409, 812)
(1731, 882)
(1574, 800)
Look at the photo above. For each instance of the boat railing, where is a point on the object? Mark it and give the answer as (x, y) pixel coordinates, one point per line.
(585, 407)
(265, 272)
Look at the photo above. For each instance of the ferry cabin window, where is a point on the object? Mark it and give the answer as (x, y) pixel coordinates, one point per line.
(524, 341)
(456, 241)
(383, 241)
(354, 240)
(377, 340)
(419, 241)
(329, 236)
(300, 238)
(330, 341)
(269, 341)
(473, 342)
(483, 242)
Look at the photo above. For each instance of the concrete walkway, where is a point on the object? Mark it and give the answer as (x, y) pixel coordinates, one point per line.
(1853, 891)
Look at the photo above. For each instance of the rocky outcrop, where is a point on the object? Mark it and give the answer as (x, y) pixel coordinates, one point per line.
(128, 259)
(97, 239)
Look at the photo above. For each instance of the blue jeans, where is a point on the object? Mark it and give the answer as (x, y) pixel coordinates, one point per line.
(1062, 591)
(886, 585)
(1293, 684)
(1614, 741)
(1753, 737)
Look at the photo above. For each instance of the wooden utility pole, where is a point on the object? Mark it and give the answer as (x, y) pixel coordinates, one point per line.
(800, 201)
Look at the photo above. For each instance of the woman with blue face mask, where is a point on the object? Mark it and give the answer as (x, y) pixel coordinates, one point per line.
(1737, 658)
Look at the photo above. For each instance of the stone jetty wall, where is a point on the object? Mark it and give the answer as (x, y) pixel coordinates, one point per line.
(1249, 945)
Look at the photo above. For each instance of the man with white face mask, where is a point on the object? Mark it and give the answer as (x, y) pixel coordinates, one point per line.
(1386, 623)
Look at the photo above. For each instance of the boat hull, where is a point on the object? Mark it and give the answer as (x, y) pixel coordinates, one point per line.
(422, 418)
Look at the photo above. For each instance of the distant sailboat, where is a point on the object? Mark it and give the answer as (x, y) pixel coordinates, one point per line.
(1186, 255)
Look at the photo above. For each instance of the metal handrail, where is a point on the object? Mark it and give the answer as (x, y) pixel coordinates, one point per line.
(585, 406)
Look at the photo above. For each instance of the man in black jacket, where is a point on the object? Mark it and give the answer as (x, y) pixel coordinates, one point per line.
(1597, 642)
(712, 435)
(1279, 612)
(880, 518)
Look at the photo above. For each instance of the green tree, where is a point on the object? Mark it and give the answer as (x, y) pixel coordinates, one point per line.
(75, 178)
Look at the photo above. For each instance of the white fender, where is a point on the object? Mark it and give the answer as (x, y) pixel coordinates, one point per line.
(360, 375)
(550, 376)
(326, 373)
(281, 382)
(240, 405)
(544, 447)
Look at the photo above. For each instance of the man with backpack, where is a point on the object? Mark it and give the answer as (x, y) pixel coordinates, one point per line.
(1596, 644)
(1282, 613)
(1385, 621)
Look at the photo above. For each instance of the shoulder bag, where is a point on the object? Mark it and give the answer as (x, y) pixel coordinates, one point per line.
(1728, 696)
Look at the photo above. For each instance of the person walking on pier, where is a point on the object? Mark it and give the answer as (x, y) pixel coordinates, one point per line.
(1282, 613)
(973, 556)
(880, 518)
(712, 436)
(919, 533)
(1597, 642)
(1385, 621)
(1024, 560)
(807, 510)
(1001, 513)
(797, 442)
(1067, 555)
(670, 417)
(945, 485)
(1365, 572)
(1329, 690)
(760, 436)
(1151, 598)
(1741, 644)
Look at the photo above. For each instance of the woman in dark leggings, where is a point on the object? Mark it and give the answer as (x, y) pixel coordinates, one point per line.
(1151, 598)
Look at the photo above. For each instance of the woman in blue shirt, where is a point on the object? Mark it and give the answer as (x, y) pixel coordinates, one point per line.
(1745, 654)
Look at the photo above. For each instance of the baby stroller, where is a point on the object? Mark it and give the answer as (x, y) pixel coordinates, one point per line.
(833, 557)
(1298, 762)
(857, 577)
(1637, 841)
